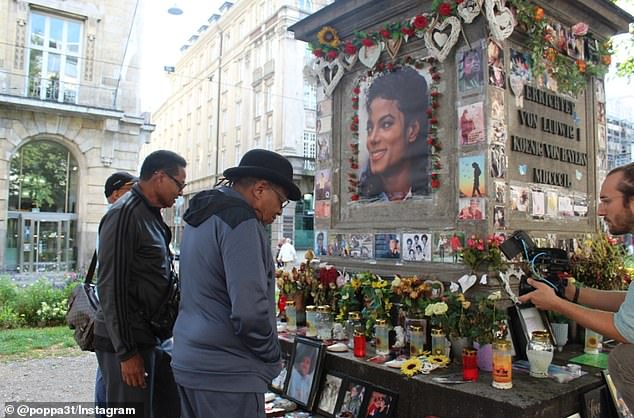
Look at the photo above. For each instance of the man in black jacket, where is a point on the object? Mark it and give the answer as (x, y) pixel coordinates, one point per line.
(135, 271)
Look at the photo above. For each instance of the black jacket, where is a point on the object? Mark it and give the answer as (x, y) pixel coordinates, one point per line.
(134, 271)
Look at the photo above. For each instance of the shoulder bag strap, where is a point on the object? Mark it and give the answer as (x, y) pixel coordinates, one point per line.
(91, 269)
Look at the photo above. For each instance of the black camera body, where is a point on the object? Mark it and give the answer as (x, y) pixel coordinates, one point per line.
(548, 265)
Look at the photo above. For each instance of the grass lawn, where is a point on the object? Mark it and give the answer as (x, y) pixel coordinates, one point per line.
(29, 343)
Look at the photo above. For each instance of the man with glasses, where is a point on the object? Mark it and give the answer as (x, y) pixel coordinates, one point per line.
(226, 350)
(610, 313)
(135, 272)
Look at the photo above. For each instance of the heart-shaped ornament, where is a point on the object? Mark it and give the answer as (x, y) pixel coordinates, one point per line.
(469, 10)
(392, 46)
(442, 37)
(435, 289)
(369, 55)
(348, 61)
(467, 281)
(501, 19)
(329, 74)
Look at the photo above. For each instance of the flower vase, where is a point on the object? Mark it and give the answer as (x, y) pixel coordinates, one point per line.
(300, 308)
(457, 345)
(484, 357)
(560, 332)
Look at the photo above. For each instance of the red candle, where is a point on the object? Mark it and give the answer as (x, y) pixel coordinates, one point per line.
(359, 344)
(469, 364)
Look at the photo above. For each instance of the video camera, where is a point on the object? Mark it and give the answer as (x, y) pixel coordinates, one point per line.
(548, 265)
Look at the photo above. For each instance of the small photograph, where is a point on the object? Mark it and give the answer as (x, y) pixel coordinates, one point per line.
(323, 146)
(499, 221)
(442, 249)
(521, 65)
(330, 389)
(470, 70)
(471, 123)
(322, 209)
(321, 238)
(352, 400)
(496, 98)
(498, 161)
(472, 209)
(417, 246)
(301, 385)
(333, 245)
(497, 77)
(539, 204)
(322, 185)
(324, 108)
(580, 206)
(342, 245)
(565, 206)
(471, 176)
(599, 90)
(381, 404)
(600, 112)
(387, 246)
(361, 246)
(497, 131)
(495, 54)
(500, 193)
(552, 204)
(456, 244)
(519, 198)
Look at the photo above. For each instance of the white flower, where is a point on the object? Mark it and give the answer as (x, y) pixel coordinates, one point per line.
(497, 295)
(396, 282)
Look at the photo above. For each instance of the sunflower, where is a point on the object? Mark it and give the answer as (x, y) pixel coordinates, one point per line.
(440, 360)
(328, 36)
(411, 366)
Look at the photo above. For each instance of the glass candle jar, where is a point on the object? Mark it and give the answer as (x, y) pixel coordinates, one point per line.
(592, 342)
(381, 337)
(353, 324)
(291, 316)
(470, 364)
(416, 340)
(324, 323)
(502, 365)
(438, 342)
(358, 339)
(540, 353)
(311, 321)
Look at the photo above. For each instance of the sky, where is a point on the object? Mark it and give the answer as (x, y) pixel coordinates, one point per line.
(164, 34)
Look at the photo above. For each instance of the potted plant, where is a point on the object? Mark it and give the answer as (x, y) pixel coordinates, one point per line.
(559, 325)
(601, 262)
(479, 254)
(487, 325)
(459, 318)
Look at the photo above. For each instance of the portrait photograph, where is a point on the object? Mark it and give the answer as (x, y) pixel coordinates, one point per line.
(495, 59)
(521, 65)
(499, 221)
(470, 70)
(322, 209)
(323, 146)
(580, 205)
(381, 404)
(472, 176)
(387, 246)
(361, 246)
(353, 400)
(456, 244)
(538, 199)
(472, 209)
(496, 100)
(342, 246)
(498, 161)
(471, 123)
(394, 156)
(519, 198)
(565, 206)
(441, 248)
(500, 193)
(417, 246)
(304, 371)
(321, 240)
(322, 185)
(329, 393)
(497, 131)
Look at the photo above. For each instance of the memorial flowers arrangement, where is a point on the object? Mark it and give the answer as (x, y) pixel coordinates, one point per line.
(479, 253)
(324, 290)
(298, 280)
(487, 322)
(423, 364)
(601, 262)
(459, 315)
(366, 292)
(412, 292)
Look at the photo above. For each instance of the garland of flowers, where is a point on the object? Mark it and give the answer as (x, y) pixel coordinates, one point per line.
(570, 75)
(432, 111)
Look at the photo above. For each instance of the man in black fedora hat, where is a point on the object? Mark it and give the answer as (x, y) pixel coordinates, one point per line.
(226, 350)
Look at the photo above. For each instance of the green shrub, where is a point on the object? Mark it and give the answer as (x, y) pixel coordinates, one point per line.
(29, 300)
(51, 315)
(8, 291)
(9, 318)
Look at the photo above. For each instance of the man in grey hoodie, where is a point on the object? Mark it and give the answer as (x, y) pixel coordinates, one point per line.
(226, 349)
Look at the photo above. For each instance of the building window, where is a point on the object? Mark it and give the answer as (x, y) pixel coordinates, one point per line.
(223, 125)
(238, 113)
(310, 148)
(54, 56)
(310, 96)
(269, 142)
(269, 99)
(258, 103)
(238, 155)
(305, 5)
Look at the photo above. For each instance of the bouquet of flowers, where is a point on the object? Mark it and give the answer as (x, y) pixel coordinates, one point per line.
(298, 280)
(413, 292)
(324, 288)
(488, 320)
(600, 262)
(479, 254)
(459, 315)
(368, 293)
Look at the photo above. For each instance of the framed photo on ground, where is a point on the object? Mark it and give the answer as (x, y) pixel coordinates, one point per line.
(329, 394)
(304, 371)
(352, 402)
(524, 319)
(381, 404)
(618, 404)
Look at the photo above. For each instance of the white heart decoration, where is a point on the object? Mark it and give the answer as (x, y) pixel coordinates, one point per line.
(449, 27)
(467, 281)
(329, 73)
(501, 19)
(369, 55)
(469, 10)
(348, 61)
(440, 38)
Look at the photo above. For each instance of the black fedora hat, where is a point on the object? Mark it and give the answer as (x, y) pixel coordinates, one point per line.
(266, 165)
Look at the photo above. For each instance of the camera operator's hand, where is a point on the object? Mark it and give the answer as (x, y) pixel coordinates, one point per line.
(543, 297)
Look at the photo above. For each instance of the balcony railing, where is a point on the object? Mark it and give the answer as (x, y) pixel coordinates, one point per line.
(50, 89)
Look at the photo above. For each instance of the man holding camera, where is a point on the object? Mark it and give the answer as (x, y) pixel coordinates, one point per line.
(610, 313)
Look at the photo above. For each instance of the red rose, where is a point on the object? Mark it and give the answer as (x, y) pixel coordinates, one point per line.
(444, 9)
(332, 55)
(407, 31)
(430, 140)
(435, 94)
(355, 119)
(385, 33)
(390, 66)
(430, 111)
(354, 197)
(355, 99)
(349, 48)
(420, 22)
(434, 104)
(367, 42)
(435, 76)
(435, 184)
(356, 90)
(318, 53)
(353, 127)
(354, 166)
(433, 121)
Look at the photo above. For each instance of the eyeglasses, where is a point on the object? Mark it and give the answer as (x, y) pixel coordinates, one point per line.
(180, 185)
(283, 201)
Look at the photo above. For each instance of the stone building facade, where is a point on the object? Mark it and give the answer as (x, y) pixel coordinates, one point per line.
(69, 96)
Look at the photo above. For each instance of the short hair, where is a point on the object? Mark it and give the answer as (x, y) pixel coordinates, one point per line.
(162, 160)
(626, 185)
